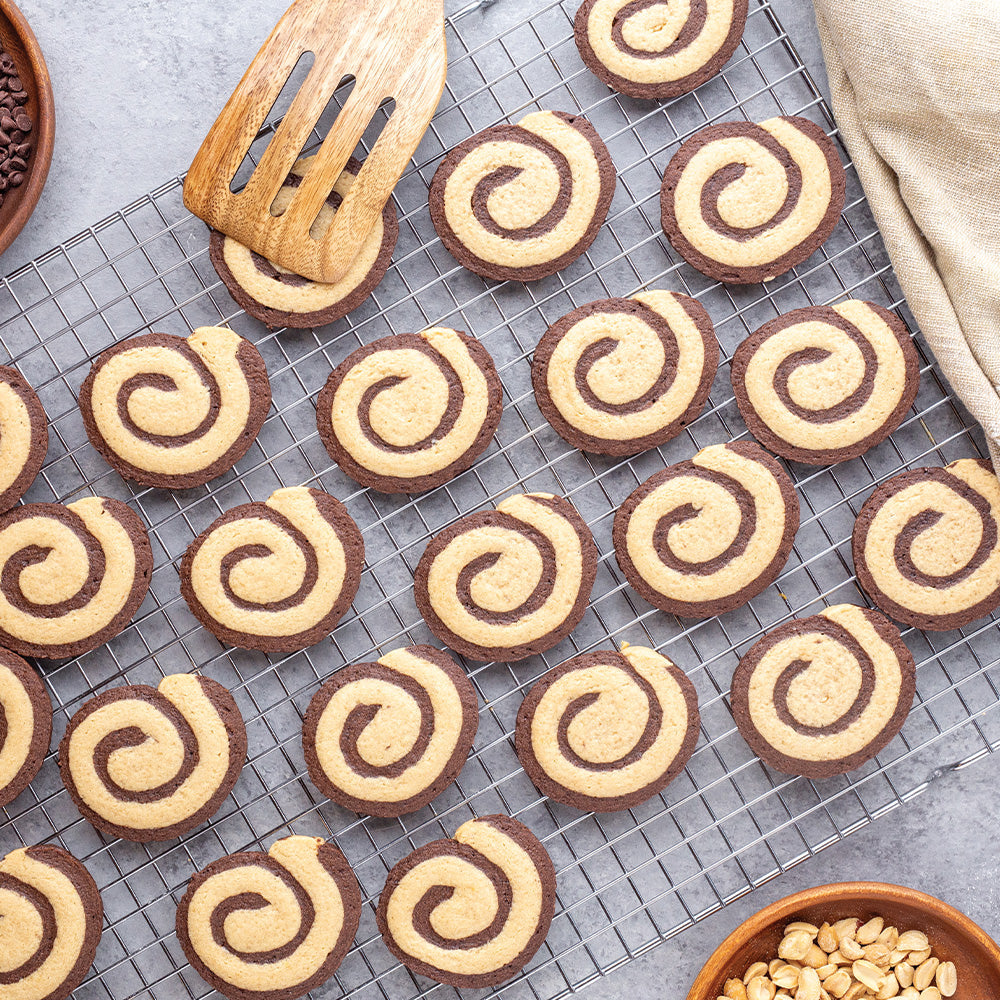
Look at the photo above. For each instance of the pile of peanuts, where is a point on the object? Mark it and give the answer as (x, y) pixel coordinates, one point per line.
(848, 960)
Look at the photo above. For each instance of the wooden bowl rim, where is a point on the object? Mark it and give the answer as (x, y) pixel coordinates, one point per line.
(44, 126)
(833, 892)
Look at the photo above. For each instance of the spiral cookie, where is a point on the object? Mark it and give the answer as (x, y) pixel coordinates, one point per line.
(925, 545)
(385, 738)
(508, 583)
(470, 911)
(619, 376)
(24, 436)
(744, 202)
(176, 413)
(410, 412)
(821, 696)
(277, 575)
(658, 48)
(72, 576)
(278, 297)
(25, 725)
(826, 383)
(606, 730)
(51, 919)
(704, 536)
(145, 763)
(273, 925)
(523, 201)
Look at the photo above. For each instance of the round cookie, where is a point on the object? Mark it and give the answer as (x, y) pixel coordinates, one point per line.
(745, 202)
(385, 738)
(24, 436)
(147, 764)
(275, 925)
(275, 575)
(409, 412)
(71, 577)
(824, 384)
(508, 583)
(821, 696)
(618, 376)
(704, 536)
(276, 296)
(471, 911)
(25, 725)
(521, 202)
(606, 730)
(926, 547)
(658, 49)
(54, 918)
(173, 412)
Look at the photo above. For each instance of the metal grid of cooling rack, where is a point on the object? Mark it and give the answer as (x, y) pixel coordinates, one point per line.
(627, 880)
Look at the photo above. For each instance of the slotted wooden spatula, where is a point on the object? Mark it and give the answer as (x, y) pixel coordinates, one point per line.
(394, 48)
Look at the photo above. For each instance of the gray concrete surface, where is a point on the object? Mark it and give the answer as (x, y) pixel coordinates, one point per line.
(137, 83)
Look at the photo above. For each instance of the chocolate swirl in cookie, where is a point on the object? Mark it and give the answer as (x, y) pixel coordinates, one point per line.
(606, 730)
(25, 725)
(276, 296)
(618, 376)
(826, 383)
(174, 412)
(24, 436)
(273, 925)
(276, 575)
(470, 911)
(50, 923)
(926, 546)
(508, 583)
(704, 536)
(72, 576)
(658, 49)
(523, 201)
(385, 738)
(743, 202)
(145, 763)
(409, 412)
(821, 696)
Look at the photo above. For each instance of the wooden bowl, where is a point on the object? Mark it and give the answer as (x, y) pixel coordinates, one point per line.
(953, 936)
(19, 40)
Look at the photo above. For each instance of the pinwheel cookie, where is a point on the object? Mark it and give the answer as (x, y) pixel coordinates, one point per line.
(508, 583)
(24, 436)
(145, 763)
(409, 412)
(25, 725)
(607, 730)
(657, 49)
(523, 201)
(926, 547)
(72, 576)
(277, 575)
(473, 910)
(704, 536)
(51, 926)
(174, 412)
(386, 738)
(618, 376)
(278, 297)
(273, 925)
(743, 202)
(826, 383)
(821, 696)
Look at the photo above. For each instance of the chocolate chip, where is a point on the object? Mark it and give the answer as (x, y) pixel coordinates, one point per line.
(17, 163)
(14, 84)
(22, 149)
(7, 123)
(16, 180)
(23, 123)
(4, 183)
(21, 97)
(17, 136)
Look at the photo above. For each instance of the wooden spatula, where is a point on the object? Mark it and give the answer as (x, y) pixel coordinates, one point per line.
(394, 48)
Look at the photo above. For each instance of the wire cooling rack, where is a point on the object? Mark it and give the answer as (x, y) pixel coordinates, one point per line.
(626, 880)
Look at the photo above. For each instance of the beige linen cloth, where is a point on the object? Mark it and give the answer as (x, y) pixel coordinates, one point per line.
(916, 93)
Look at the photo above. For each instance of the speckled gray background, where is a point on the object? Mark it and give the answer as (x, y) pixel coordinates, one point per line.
(137, 83)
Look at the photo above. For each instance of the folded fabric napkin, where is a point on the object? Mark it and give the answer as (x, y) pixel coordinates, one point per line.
(916, 93)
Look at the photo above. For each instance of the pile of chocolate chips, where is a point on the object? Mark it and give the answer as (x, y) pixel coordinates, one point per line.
(15, 126)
